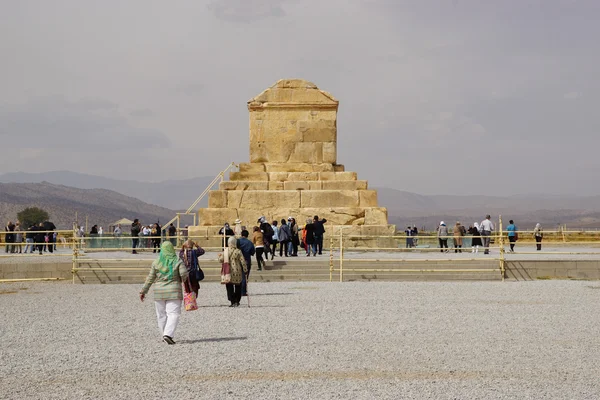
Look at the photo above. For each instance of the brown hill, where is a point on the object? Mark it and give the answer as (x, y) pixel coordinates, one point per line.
(101, 206)
(551, 211)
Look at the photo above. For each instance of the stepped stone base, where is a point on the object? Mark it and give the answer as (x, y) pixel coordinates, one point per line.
(293, 171)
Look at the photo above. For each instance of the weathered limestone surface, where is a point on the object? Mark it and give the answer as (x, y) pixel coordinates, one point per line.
(293, 170)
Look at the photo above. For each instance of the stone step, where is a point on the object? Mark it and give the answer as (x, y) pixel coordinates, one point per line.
(290, 167)
(318, 269)
(372, 216)
(249, 199)
(293, 176)
(294, 185)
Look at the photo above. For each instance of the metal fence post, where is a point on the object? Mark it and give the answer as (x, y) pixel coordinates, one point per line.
(74, 249)
(341, 255)
(330, 258)
(501, 241)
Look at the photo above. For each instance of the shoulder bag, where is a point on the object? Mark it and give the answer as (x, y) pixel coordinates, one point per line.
(225, 268)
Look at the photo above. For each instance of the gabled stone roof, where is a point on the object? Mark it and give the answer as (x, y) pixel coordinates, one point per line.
(293, 93)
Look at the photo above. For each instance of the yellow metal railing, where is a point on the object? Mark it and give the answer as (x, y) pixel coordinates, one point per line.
(345, 260)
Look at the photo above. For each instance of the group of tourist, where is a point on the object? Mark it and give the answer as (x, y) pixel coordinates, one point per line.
(148, 236)
(40, 237)
(288, 235)
(480, 236)
(177, 274)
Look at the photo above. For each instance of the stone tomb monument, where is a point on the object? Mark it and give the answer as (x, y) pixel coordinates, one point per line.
(293, 170)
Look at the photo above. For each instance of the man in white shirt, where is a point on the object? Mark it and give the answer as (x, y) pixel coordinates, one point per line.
(486, 228)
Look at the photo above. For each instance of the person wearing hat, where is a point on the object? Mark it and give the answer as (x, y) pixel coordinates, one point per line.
(237, 230)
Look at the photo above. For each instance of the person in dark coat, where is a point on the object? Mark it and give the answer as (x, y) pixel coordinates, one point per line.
(136, 227)
(295, 237)
(285, 236)
(40, 236)
(268, 233)
(319, 232)
(309, 238)
(49, 227)
(409, 239)
(248, 250)
(156, 238)
(476, 238)
(189, 253)
(30, 239)
(228, 232)
(9, 237)
(172, 234)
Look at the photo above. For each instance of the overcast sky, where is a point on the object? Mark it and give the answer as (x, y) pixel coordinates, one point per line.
(436, 97)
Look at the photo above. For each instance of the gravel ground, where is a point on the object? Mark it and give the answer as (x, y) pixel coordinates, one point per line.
(442, 340)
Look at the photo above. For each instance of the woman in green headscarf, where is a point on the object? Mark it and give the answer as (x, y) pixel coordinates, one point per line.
(167, 271)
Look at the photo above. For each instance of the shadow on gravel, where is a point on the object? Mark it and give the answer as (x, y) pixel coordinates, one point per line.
(270, 294)
(211, 340)
(274, 306)
(218, 305)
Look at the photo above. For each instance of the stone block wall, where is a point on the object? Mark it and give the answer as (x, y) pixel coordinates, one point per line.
(293, 122)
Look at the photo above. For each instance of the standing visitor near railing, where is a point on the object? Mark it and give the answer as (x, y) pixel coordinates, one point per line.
(513, 236)
(40, 237)
(49, 227)
(172, 231)
(319, 233)
(9, 238)
(486, 228)
(409, 239)
(308, 237)
(476, 239)
(136, 227)
(155, 233)
(93, 236)
(442, 235)
(458, 232)
(18, 238)
(414, 233)
(29, 239)
(117, 233)
(537, 233)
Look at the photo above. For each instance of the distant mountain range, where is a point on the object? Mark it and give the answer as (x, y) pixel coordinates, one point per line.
(101, 206)
(173, 194)
(403, 207)
(410, 208)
